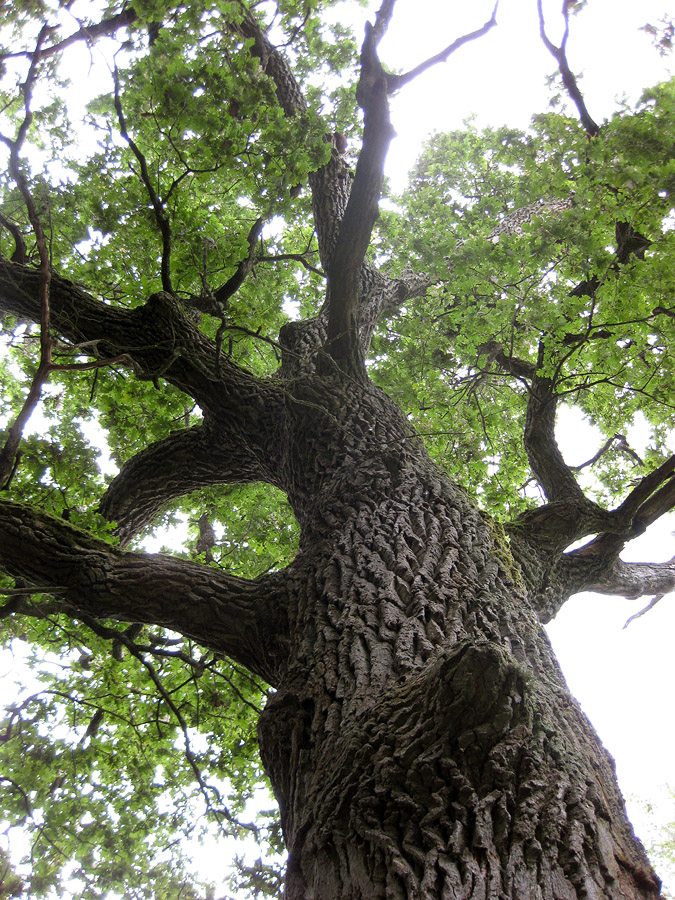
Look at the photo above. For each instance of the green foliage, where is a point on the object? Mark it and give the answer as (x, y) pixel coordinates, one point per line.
(99, 757)
(99, 761)
(608, 349)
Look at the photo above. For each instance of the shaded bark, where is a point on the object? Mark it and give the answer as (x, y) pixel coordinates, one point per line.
(244, 619)
(421, 741)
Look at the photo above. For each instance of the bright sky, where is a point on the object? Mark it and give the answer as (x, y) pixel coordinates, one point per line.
(623, 678)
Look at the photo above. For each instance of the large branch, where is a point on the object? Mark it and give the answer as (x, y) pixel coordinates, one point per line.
(245, 620)
(183, 462)
(345, 267)
(362, 208)
(157, 339)
(331, 188)
(597, 567)
(543, 453)
(653, 496)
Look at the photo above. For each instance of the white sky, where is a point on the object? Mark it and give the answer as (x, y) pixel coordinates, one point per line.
(623, 678)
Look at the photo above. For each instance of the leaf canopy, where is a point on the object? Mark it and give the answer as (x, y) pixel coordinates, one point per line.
(129, 734)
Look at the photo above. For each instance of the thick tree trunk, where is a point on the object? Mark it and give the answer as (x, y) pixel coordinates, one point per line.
(422, 742)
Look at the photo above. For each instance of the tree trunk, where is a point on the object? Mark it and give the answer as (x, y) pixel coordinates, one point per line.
(422, 742)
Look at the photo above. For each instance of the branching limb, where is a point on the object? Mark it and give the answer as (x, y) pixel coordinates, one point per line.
(345, 267)
(569, 81)
(398, 81)
(9, 452)
(297, 257)
(88, 33)
(157, 204)
(618, 440)
(543, 453)
(606, 574)
(245, 267)
(156, 338)
(242, 619)
(272, 62)
(217, 303)
(332, 187)
(381, 294)
(184, 461)
(653, 497)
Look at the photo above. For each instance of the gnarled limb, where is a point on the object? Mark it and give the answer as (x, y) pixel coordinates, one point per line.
(157, 339)
(246, 620)
(183, 462)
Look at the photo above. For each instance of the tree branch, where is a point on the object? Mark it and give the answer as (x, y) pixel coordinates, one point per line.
(157, 204)
(9, 455)
(331, 188)
(157, 338)
(246, 620)
(232, 285)
(641, 504)
(397, 81)
(362, 209)
(569, 81)
(543, 453)
(20, 255)
(617, 439)
(184, 461)
(88, 33)
(626, 579)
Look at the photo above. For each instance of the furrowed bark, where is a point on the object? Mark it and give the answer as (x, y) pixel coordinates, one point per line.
(422, 742)
(244, 619)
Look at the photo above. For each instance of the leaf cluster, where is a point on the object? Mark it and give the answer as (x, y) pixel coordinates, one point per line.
(558, 292)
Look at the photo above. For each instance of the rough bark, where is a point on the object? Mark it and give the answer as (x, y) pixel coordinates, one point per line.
(421, 741)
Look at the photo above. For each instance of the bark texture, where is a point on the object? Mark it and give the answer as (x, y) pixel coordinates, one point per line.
(421, 740)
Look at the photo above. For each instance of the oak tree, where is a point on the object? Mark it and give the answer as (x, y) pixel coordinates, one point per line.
(355, 413)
